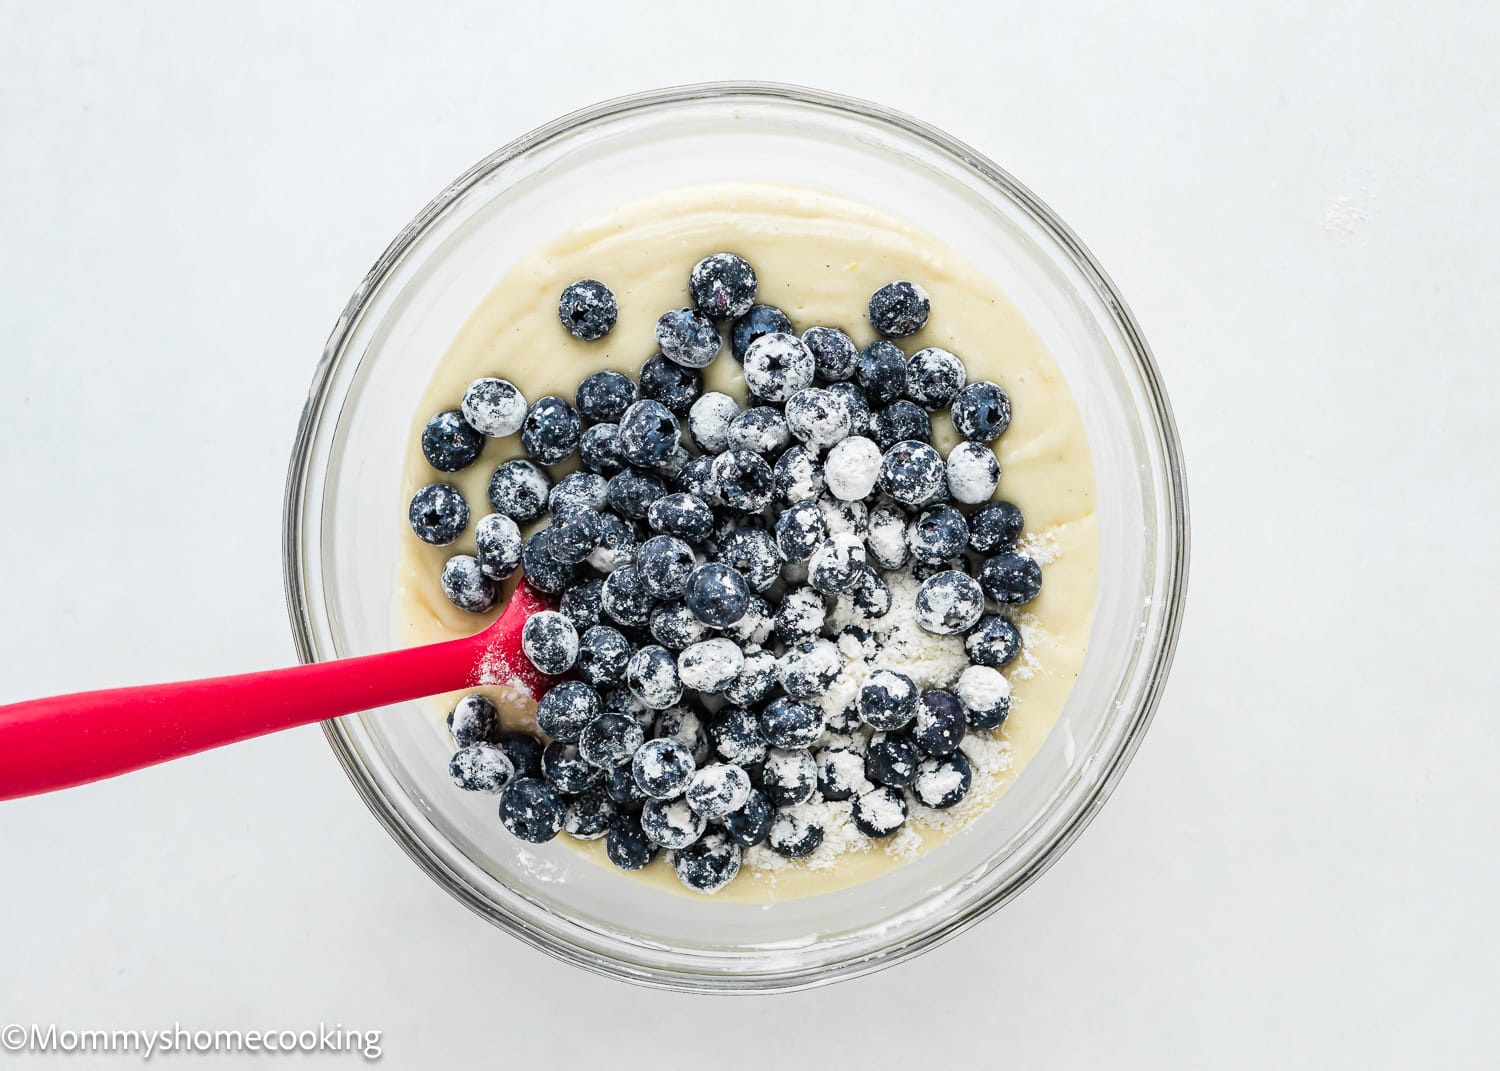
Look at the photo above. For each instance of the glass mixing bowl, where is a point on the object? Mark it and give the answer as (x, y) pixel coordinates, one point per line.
(343, 525)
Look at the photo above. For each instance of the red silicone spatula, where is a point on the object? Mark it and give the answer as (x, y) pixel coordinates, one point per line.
(67, 740)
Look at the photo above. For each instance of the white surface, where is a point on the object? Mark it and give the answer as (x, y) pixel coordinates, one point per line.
(1297, 199)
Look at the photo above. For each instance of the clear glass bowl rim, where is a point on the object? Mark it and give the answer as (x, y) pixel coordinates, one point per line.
(1173, 490)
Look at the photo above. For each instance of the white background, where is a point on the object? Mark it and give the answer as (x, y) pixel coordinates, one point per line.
(1299, 202)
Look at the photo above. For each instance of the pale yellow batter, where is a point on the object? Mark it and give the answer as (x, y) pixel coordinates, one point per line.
(818, 257)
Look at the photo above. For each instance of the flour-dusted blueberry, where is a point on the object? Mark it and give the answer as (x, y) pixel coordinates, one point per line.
(841, 773)
(566, 710)
(879, 812)
(466, 585)
(939, 724)
(497, 540)
(734, 733)
(617, 545)
(610, 739)
(800, 530)
(938, 534)
(753, 552)
(623, 700)
(574, 534)
(1011, 579)
(891, 759)
(675, 386)
(834, 567)
(676, 627)
(798, 475)
(761, 429)
(834, 352)
(588, 310)
(625, 597)
(898, 422)
(995, 527)
(663, 768)
(669, 466)
(948, 603)
(751, 824)
(710, 666)
(995, 641)
(696, 478)
(599, 449)
(852, 468)
(519, 490)
(885, 538)
(788, 777)
(785, 723)
(665, 563)
(817, 418)
(604, 396)
(718, 790)
(872, 594)
(543, 571)
(551, 430)
(795, 832)
(881, 372)
(687, 723)
(652, 677)
(985, 695)
(580, 603)
(757, 680)
(550, 641)
(717, 594)
(722, 286)
(800, 616)
(973, 473)
(589, 815)
(494, 407)
(913, 474)
(981, 412)
(809, 667)
(524, 752)
(602, 654)
(744, 480)
(934, 377)
(899, 309)
(627, 845)
(566, 770)
(709, 864)
(943, 781)
(450, 443)
(671, 823)
(688, 338)
(760, 320)
(682, 515)
(531, 810)
(858, 406)
(709, 419)
(473, 720)
(887, 700)
(777, 366)
(481, 767)
(648, 433)
(631, 493)
(438, 514)
(620, 786)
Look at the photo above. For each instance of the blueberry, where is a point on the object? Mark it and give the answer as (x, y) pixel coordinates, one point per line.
(697, 478)
(580, 603)
(610, 740)
(995, 642)
(675, 386)
(494, 407)
(799, 531)
(550, 642)
(757, 680)
(942, 781)
(663, 768)
(652, 677)
(566, 710)
(481, 767)
(940, 723)
(817, 418)
(809, 668)
(711, 665)
(934, 377)
(551, 431)
(891, 760)
(798, 475)
(578, 490)
(1010, 578)
(449, 443)
(519, 490)
(885, 538)
(948, 603)
(761, 429)
(718, 790)
(671, 823)
(602, 654)
(599, 449)
(973, 473)
(995, 527)
(625, 597)
(899, 309)
(665, 563)
(722, 286)
(466, 585)
(913, 474)
(682, 515)
(438, 514)
(588, 310)
(841, 773)
(881, 372)
(778, 365)
(735, 735)
(709, 419)
(751, 824)
(604, 396)
(648, 433)
(985, 695)
(524, 752)
(939, 534)
(754, 627)
(687, 723)
(620, 786)
(835, 566)
(790, 725)
(717, 593)
(708, 865)
(760, 320)
(887, 700)
(589, 815)
(498, 543)
(574, 534)
(676, 627)
(688, 337)
(531, 810)
(871, 594)
(834, 352)
(878, 812)
(626, 845)
(856, 403)
(788, 777)
(899, 421)
(795, 833)
(853, 468)
(566, 771)
(617, 546)
(800, 616)
(474, 720)
(753, 552)
(981, 412)
(631, 493)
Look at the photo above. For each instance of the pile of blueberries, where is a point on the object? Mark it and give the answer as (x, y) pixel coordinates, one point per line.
(695, 584)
